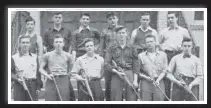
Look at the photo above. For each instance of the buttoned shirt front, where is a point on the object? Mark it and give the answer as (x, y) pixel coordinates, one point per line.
(58, 64)
(189, 67)
(171, 38)
(26, 65)
(92, 67)
(153, 68)
(125, 57)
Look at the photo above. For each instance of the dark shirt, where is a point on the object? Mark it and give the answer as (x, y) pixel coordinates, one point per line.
(78, 38)
(126, 58)
(48, 38)
(108, 37)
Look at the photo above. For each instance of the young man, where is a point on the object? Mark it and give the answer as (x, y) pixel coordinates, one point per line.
(24, 68)
(171, 41)
(153, 64)
(93, 66)
(48, 38)
(36, 46)
(138, 35)
(187, 67)
(59, 64)
(79, 35)
(108, 38)
(125, 57)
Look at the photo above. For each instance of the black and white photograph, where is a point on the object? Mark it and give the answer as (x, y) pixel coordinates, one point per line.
(107, 56)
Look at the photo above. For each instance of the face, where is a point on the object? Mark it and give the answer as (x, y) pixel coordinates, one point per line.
(187, 47)
(145, 20)
(171, 19)
(57, 18)
(112, 20)
(30, 26)
(122, 35)
(150, 42)
(25, 44)
(59, 43)
(89, 46)
(85, 20)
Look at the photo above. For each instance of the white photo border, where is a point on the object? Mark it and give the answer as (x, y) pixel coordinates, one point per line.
(107, 9)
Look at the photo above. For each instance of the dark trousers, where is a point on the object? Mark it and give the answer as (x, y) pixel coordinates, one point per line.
(179, 94)
(108, 85)
(63, 84)
(20, 94)
(117, 85)
(95, 86)
(149, 92)
(167, 82)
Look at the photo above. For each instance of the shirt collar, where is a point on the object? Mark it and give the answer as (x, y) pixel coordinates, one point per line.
(31, 34)
(177, 27)
(113, 28)
(27, 54)
(148, 28)
(157, 53)
(82, 28)
(186, 56)
(62, 52)
(85, 56)
(59, 29)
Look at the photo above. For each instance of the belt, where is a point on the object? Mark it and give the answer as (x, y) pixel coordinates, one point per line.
(94, 79)
(30, 79)
(185, 77)
(171, 51)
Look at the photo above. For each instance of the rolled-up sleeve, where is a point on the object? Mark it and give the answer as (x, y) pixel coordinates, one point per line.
(40, 45)
(73, 43)
(172, 65)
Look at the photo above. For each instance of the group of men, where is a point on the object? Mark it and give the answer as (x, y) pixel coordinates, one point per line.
(151, 62)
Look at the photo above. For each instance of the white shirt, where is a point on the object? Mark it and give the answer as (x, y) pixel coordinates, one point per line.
(27, 63)
(92, 67)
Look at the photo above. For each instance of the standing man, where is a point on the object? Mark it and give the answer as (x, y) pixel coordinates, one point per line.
(36, 46)
(171, 41)
(108, 38)
(153, 64)
(186, 67)
(93, 66)
(59, 64)
(24, 68)
(48, 38)
(81, 34)
(138, 35)
(125, 57)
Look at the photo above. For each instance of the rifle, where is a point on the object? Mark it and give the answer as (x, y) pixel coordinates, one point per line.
(185, 86)
(24, 83)
(156, 85)
(126, 79)
(86, 83)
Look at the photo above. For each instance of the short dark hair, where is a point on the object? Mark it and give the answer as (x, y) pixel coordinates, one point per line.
(176, 13)
(119, 28)
(57, 13)
(187, 40)
(85, 14)
(88, 40)
(145, 13)
(56, 36)
(29, 19)
(109, 14)
(150, 36)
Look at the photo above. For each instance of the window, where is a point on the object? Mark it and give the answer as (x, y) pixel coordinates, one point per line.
(199, 15)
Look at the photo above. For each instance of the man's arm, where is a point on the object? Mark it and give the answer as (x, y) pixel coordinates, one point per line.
(102, 43)
(43, 64)
(165, 65)
(45, 40)
(135, 65)
(74, 45)
(199, 73)
(76, 68)
(133, 36)
(13, 70)
(102, 69)
(108, 61)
